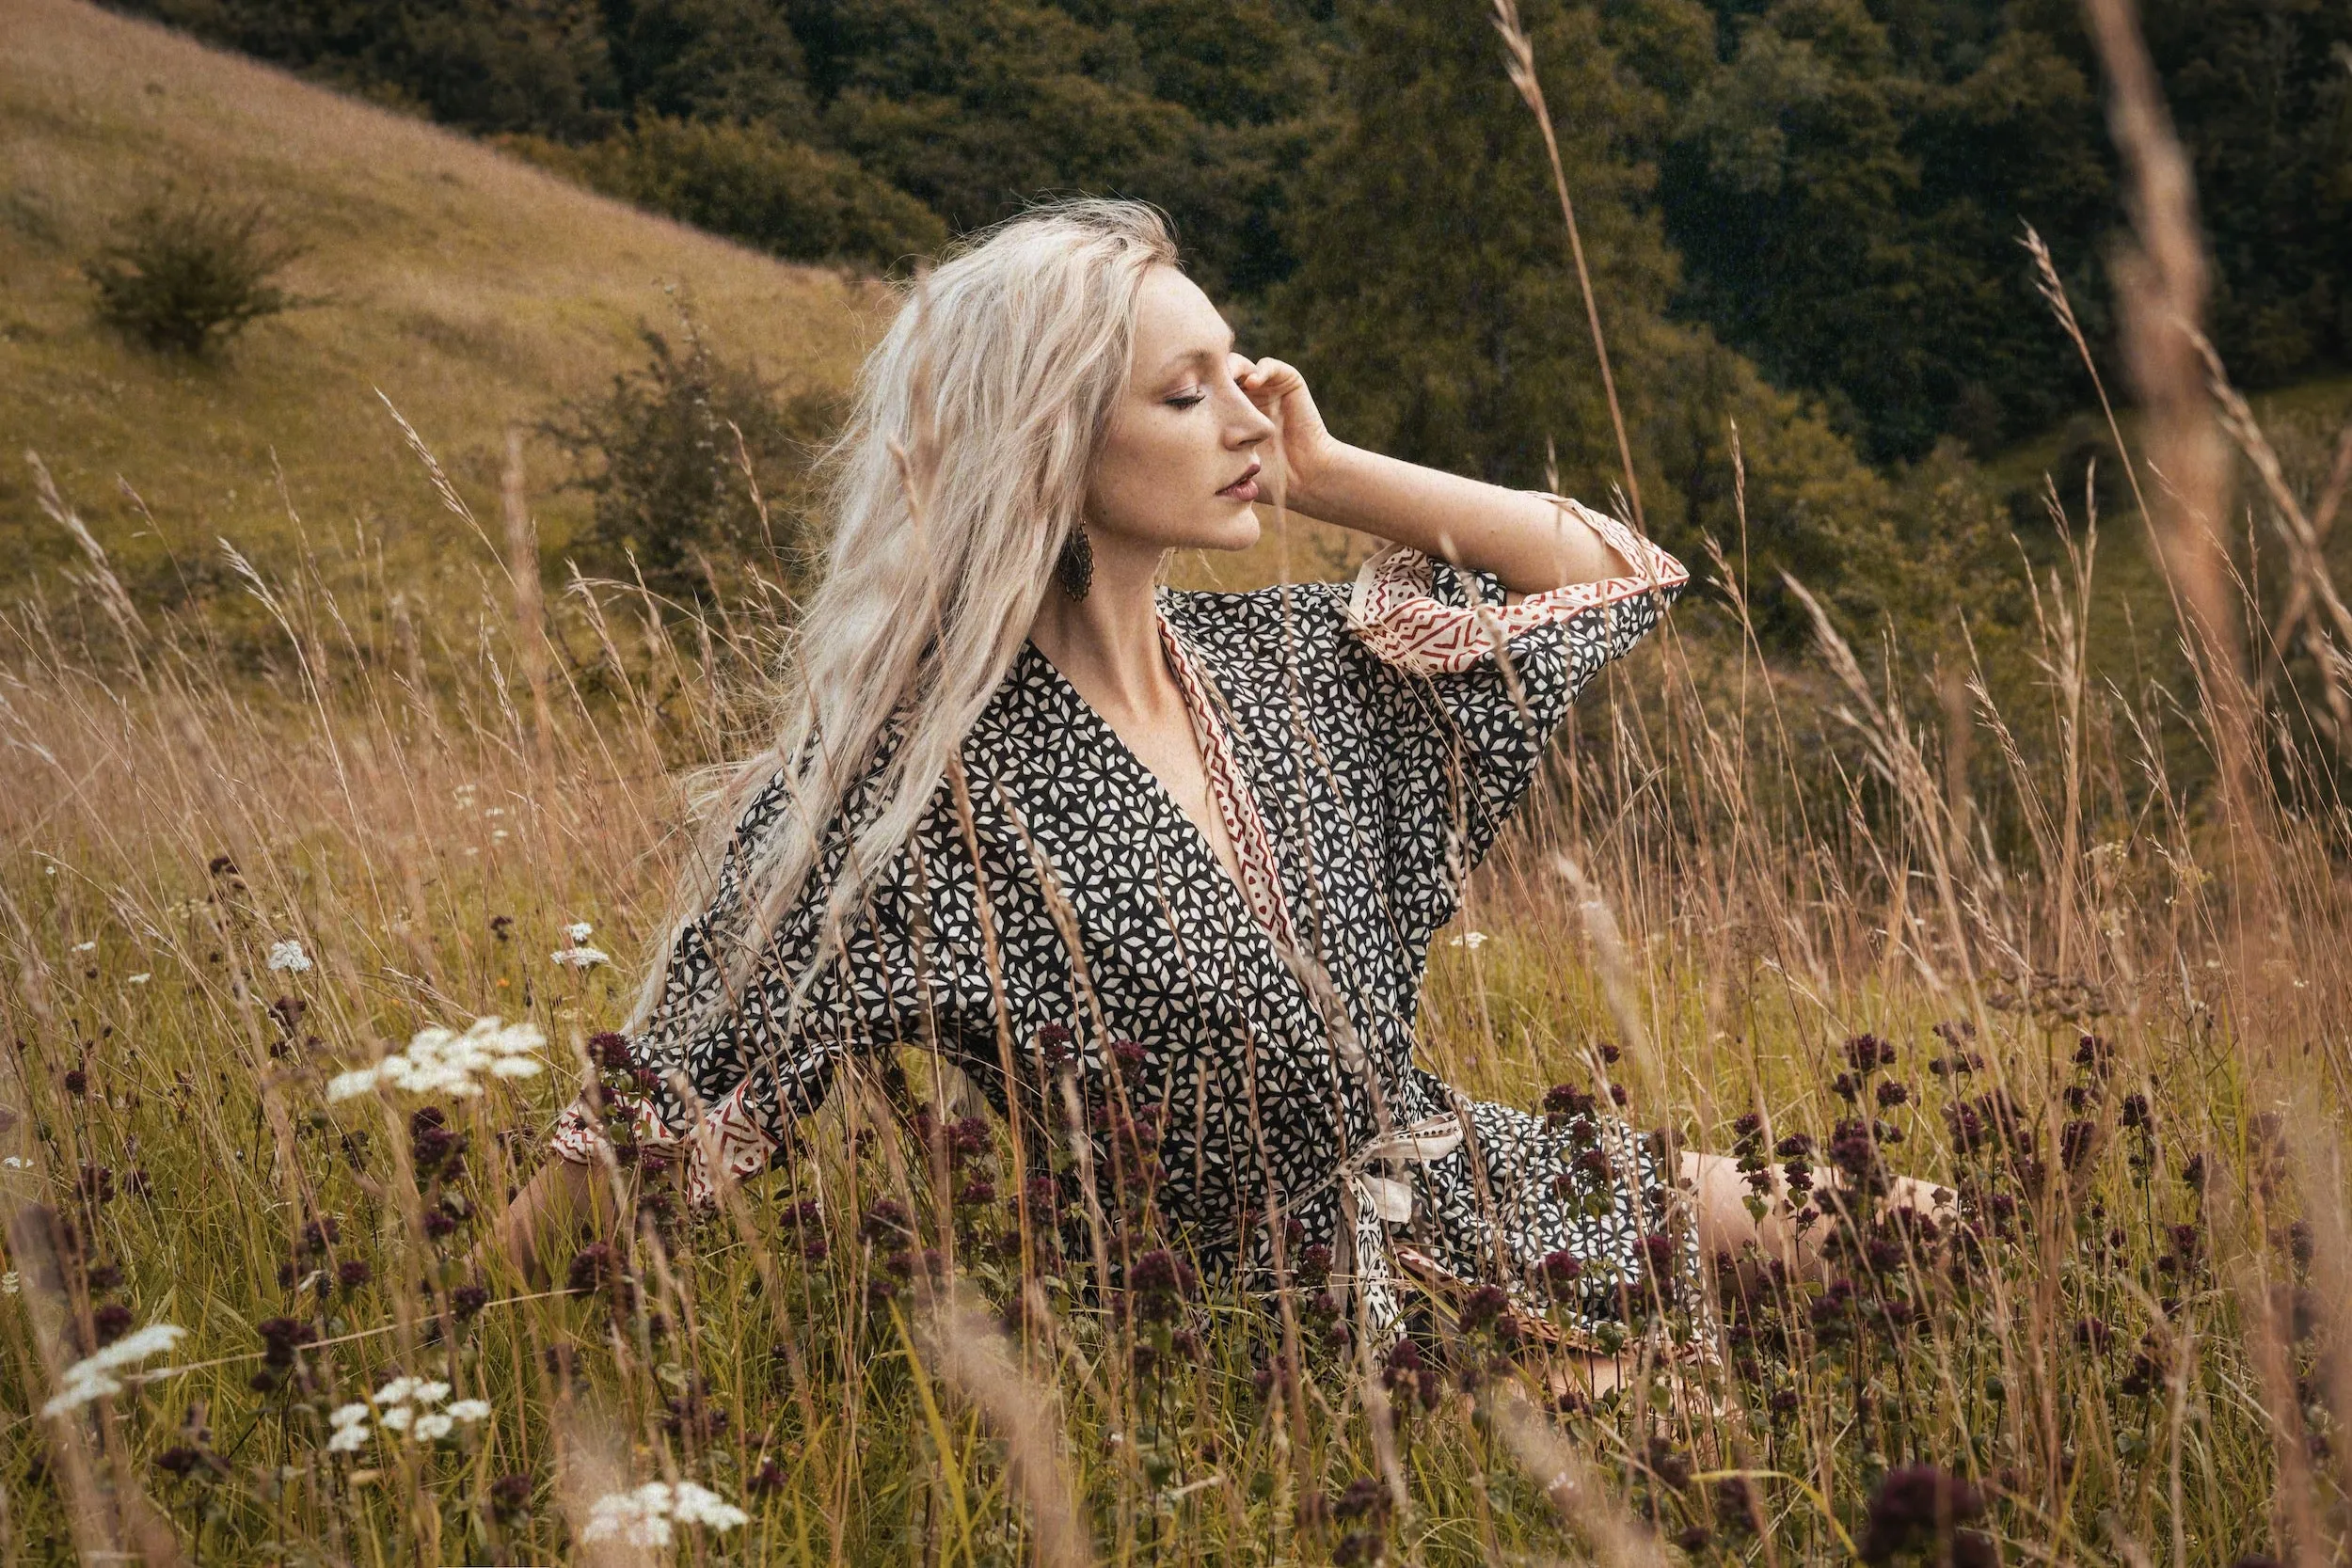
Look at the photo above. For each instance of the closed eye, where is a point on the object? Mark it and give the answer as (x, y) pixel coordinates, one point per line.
(1186, 399)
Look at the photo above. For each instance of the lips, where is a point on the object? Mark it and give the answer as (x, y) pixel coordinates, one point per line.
(1244, 488)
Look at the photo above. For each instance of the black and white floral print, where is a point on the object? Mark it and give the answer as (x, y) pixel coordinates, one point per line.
(1379, 745)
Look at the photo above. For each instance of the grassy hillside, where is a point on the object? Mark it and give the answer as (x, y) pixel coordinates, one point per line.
(471, 289)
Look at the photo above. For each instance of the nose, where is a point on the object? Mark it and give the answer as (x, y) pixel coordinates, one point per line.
(1249, 425)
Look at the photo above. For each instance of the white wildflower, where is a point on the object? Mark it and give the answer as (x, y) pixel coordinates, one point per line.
(289, 956)
(442, 1061)
(16, 1161)
(347, 1416)
(581, 957)
(396, 1418)
(580, 932)
(639, 1518)
(139, 979)
(350, 1439)
(93, 1375)
(432, 1428)
(1468, 939)
(644, 1517)
(10, 1284)
(397, 1391)
(86, 947)
(429, 1393)
(698, 1505)
(470, 1410)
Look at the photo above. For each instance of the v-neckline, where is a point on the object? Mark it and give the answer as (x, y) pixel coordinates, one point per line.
(1154, 785)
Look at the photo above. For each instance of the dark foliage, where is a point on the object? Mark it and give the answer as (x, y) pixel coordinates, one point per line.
(1833, 188)
(661, 457)
(187, 272)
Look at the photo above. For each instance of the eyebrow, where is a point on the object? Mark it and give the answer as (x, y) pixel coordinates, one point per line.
(1203, 356)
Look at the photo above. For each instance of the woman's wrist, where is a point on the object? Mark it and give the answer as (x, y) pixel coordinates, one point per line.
(1314, 479)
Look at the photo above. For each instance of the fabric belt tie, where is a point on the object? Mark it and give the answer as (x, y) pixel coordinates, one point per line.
(1384, 1191)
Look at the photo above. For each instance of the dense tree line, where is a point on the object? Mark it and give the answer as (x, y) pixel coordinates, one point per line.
(1803, 213)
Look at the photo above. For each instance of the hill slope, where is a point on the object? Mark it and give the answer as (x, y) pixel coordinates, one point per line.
(473, 289)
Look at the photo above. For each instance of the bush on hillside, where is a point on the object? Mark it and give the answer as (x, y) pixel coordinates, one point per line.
(659, 454)
(187, 274)
(750, 183)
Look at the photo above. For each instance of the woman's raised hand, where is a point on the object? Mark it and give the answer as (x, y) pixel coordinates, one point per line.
(1307, 445)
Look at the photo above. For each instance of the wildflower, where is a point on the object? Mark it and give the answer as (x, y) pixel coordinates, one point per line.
(86, 947)
(1473, 939)
(93, 1375)
(281, 1339)
(442, 1061)
(288, 955)
(644, 1517)
(1161, 1281)
(1919, 1505)
(433, 1146)
(76, 1082)
(580, 955)
(110, 1323)
(1483, 1307)
(1567, 1099)
(10, 1283)
(350, 1424)
(138, 979)
(1560, 1270)
(579, 930)
(510, 1498)
(610, 1052)
(468, 1301)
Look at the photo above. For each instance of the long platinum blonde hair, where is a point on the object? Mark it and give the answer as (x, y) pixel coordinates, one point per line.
(949, 494)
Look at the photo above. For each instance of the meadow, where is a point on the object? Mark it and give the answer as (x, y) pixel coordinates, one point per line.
(2065, 933)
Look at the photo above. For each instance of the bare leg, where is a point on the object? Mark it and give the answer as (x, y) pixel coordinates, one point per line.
(1726, 1227)
(559, 1198)
(1720, 1189)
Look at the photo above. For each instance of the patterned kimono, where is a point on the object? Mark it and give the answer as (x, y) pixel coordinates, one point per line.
(1364, 747)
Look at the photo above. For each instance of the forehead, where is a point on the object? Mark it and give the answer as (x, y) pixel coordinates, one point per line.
(1175, 321)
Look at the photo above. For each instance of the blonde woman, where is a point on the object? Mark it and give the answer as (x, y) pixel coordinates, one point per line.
(1189, 849)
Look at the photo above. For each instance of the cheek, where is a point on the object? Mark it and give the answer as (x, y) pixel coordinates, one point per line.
(1142, 477)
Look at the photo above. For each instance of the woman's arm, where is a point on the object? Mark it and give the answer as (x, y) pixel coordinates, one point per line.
(1529, 543)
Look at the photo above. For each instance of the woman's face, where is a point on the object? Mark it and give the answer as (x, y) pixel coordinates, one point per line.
(1178, 466)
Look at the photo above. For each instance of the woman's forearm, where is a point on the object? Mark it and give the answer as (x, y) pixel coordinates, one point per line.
(1531, 543)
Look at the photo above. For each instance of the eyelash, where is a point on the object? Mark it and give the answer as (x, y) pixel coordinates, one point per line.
(1187, 400)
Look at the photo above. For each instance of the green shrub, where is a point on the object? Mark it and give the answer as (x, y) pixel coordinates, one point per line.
(659, 454)
(751, 183)
(187, 274)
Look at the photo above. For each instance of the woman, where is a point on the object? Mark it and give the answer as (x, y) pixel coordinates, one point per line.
(1027, 804)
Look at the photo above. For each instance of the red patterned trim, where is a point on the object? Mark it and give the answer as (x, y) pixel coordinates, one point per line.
(1394, 611)
(1253, 847)
(728, 1138)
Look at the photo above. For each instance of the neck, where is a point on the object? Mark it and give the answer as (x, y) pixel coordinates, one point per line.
(1108, 644)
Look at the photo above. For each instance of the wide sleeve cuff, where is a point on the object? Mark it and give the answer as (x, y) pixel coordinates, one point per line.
(730, 1137)
(1395, 610)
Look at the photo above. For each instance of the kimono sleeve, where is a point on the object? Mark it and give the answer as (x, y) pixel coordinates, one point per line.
(755, 1065)
(1463, 730)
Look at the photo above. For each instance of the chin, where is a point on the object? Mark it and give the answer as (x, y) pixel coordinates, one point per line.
(1240, 534)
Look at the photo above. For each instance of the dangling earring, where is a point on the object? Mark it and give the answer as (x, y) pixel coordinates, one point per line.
(1074, 570)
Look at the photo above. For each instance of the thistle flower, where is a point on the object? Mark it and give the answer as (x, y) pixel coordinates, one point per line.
(288, 955)
(442, 1061)
(93, 1375)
